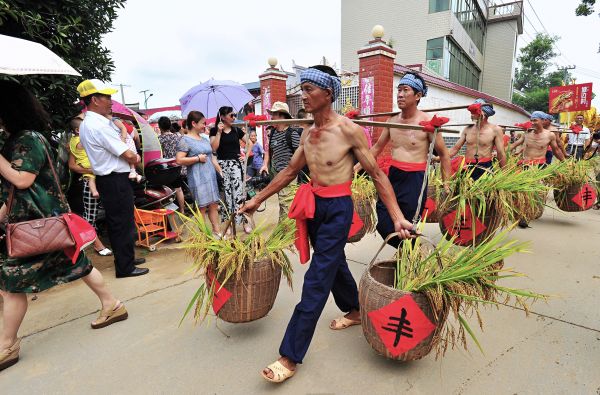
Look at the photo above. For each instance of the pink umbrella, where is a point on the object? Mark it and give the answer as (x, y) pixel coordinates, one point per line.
(122, 110)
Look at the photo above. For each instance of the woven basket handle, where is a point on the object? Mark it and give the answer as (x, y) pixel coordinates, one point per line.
(389, 237)
(231, 222)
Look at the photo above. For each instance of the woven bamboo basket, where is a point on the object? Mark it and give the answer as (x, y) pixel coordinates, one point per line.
(365, 209)
(376, 291)
(433, 216)
(253, 293)
(539, 207)
(564, 198)
(490, 220)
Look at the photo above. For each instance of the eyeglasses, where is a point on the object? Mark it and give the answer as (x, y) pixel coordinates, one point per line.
(232, 115)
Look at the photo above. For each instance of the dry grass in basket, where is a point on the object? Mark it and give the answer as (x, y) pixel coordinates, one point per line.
(460, 280)
(229, 257)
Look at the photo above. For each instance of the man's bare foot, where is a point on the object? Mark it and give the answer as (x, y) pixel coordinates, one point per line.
(285, 361)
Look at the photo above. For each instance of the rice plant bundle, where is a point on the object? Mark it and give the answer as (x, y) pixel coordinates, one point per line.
(227, 259)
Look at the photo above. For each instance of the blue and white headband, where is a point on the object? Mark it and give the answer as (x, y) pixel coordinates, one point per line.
(415, 83)
(538, 115)
(322, 80)
(487, 108)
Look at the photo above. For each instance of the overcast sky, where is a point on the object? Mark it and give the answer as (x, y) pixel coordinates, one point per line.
(168, 47)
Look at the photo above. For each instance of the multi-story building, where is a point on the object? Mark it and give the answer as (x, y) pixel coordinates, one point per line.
(468, 42)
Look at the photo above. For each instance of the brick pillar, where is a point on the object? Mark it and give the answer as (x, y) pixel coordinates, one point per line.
(272, 88)
(376, 76)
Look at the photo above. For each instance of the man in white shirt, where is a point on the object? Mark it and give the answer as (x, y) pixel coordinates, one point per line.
(578, 140)
(110, 158)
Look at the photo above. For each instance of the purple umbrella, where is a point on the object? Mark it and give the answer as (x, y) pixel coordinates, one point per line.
(211, 95)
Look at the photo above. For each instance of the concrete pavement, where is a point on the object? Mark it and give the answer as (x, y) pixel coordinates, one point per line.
(555, 350)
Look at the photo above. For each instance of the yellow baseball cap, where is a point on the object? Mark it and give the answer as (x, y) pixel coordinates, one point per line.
(89, 87)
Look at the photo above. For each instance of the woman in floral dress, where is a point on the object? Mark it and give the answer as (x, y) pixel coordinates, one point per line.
(23, 163)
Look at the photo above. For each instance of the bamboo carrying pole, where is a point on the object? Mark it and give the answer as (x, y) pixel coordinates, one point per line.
(392, 113)
(356, 121)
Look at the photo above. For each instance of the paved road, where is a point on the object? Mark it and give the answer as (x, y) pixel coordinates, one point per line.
(555, 350)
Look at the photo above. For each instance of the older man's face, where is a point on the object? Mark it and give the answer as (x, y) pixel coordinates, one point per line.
(103, 104)
(315, 98)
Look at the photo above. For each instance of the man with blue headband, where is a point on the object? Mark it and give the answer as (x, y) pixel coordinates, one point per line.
(547, 122)
(534, 144)
(481, 141)
(410, 149)
(324, 214)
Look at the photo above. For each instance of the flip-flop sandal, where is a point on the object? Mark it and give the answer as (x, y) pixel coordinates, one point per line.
(104, 252)
(10, 356)
(342, 323)
(116, 314)
(280, 373)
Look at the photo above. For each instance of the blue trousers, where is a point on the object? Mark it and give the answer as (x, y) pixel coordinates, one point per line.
(480, 169)
(549, 155)
(328, 272)
(407, 187)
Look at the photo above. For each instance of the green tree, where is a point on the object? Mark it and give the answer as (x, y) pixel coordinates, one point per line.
(585, 8)
(532, 78)
(73, 30)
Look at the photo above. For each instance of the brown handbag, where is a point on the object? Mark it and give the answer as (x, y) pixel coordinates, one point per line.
(38, 236)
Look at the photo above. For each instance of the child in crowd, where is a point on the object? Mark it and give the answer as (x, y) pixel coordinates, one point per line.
(80, 155)
(126, 134)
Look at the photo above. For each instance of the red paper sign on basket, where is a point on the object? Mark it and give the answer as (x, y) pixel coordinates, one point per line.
(222, 294)
(464, 229)
(430, 207)
(356, 226)
(401, 325)
(586, 197)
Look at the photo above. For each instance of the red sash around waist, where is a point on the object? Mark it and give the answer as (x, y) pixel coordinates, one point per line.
(536, 161)
(303, 208)
(409, 166)
(473, 161)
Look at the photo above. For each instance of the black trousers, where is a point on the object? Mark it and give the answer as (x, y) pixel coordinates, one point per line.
(116, 194)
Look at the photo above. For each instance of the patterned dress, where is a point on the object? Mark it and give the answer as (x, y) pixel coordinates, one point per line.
(26, 152)
(202, 177)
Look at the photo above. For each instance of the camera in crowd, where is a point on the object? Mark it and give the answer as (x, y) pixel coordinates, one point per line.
(256, 183)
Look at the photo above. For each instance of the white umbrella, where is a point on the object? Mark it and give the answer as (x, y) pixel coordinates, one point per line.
(173, 115)
(27, 57)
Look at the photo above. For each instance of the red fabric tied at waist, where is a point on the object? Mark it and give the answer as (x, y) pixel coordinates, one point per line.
(536, 161)
(409, 166)
(303, 208)
(473, 161)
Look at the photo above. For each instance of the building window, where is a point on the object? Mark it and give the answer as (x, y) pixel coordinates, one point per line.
(472, 20)
(438, 5)
(462, 70)
(435, 55)
(435, 48)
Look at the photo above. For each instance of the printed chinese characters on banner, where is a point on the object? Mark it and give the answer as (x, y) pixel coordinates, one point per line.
(570, 98)
(367, 100)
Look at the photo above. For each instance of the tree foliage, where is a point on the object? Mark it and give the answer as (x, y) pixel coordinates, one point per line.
(585, 8)
(73, 30)
(532, 78)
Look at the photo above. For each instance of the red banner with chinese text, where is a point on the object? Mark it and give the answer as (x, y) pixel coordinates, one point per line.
(570, 98)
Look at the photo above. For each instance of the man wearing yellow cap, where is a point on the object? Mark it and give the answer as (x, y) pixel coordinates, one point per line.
(110, 158)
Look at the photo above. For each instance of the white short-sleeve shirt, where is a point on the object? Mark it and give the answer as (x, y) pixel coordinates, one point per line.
(581, 138)
(103, 145)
